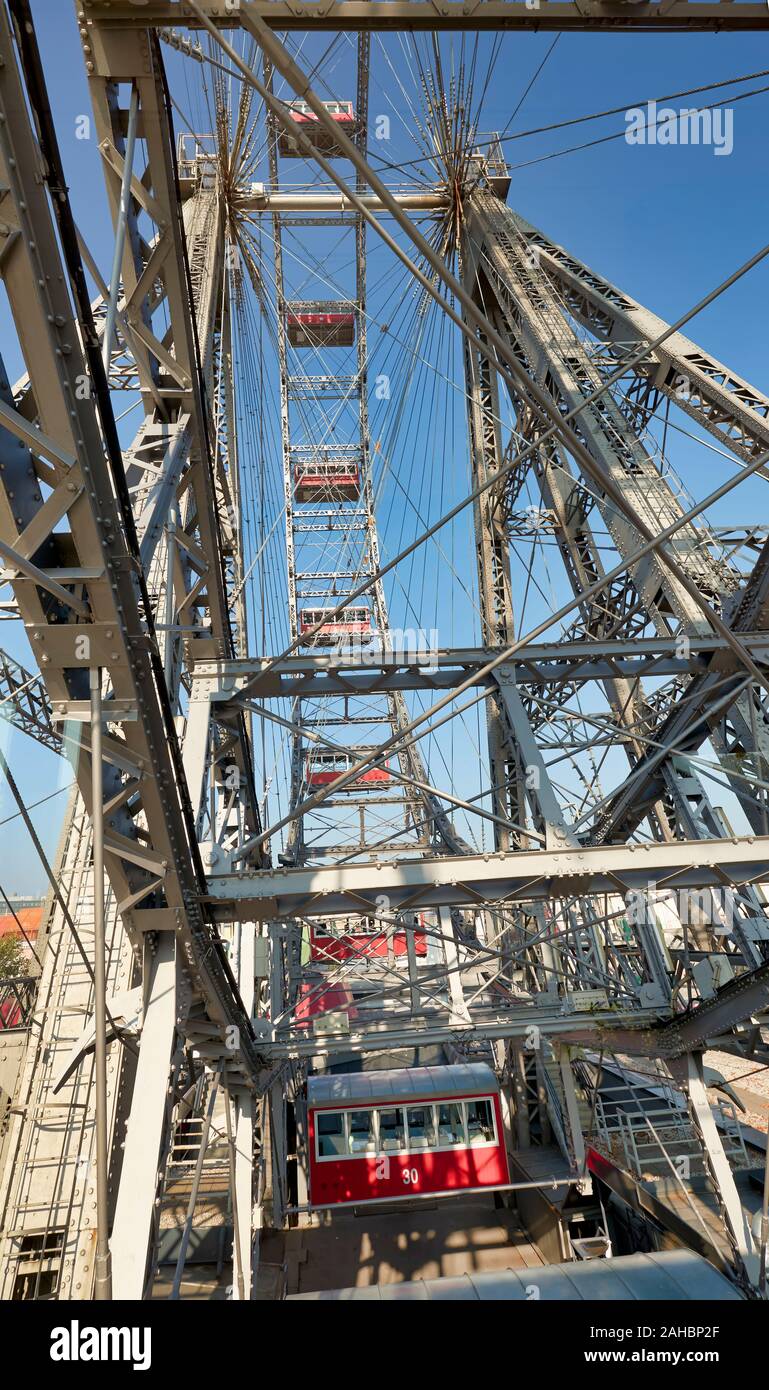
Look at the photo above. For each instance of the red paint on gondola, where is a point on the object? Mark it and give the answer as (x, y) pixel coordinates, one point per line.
(320, 324)
(10, 1013)
(353, 622)
(322, 770)
(362, 944)
(302, 116)
(403, 1140)
(317, 999)
(326, 483)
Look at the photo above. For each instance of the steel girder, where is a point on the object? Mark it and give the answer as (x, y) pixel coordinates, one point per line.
(163, 865)
(491, 879)
(587, 957)
(536, 665)
(166, 539)
(159, 864)
(699, 709)
(535, 324)
(454, 14)
(723, 403)
(203, 612)
(152, 361)
(436, 1029)
(24, 703)
(494, 580)
(618, 609)
(531, 311)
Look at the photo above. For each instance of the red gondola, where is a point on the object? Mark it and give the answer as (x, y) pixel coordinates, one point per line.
(320, 323)
(321, 769)
(323, 480)
(351, 622)
(375, 1136)
(315, 1000)
(364, 938)
(10, 1012)
(341, 113)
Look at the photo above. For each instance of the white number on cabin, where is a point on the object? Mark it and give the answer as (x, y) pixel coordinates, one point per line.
(410, 1175)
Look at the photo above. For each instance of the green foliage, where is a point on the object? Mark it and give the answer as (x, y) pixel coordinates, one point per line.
(13, 961)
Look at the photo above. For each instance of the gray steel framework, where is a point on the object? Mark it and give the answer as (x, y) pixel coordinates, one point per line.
(130, 563)
(416, 14)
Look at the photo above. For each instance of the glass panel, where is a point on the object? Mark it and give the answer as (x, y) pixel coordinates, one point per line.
(392, 1134)
(480, 1122)
(451, 1128)
(331, 1143)
(362, 1132)
(421, 1120)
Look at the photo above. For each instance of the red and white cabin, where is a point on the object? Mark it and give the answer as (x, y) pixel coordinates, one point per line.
(320, 323)
(326, 480)
(376, 1136)
(304, 118)
(362, 937)
(321, 769)
(351, 622)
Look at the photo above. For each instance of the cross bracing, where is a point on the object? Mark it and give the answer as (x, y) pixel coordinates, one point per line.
(278, 751)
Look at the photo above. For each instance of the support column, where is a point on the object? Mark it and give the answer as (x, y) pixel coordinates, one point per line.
(133, 1227)
(503, 1056)
(688, 1071)
(278, 1152)
(573, 1115)
(103, 1261)
(520, 1095)
(459, 1010)
(243, 1195)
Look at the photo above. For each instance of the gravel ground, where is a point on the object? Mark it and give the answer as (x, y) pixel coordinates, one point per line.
(736, 1070)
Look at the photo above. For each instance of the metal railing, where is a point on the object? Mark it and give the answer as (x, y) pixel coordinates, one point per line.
(17, 999)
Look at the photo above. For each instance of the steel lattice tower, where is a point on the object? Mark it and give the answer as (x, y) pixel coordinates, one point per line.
(127, 568)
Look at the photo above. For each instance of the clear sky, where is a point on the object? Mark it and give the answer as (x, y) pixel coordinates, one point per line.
(666, 224)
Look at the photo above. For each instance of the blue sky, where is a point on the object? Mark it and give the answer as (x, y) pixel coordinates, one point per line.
(666, 224)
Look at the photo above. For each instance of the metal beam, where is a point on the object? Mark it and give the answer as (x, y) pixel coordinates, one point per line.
(730, 408)
(329, 673)
(690, 1074)
(490, 879)
(577, 15)
(261, 200)
(135, 1211)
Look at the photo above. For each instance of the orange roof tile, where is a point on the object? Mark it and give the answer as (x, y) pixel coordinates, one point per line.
(30, 918)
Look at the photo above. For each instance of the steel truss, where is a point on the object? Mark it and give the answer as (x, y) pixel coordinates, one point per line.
(143, 545)
(415, 14)
(343, 540)
(129, 564)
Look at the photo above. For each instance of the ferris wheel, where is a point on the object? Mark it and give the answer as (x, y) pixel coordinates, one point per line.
(380, 561)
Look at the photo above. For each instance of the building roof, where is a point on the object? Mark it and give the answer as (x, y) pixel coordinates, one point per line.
(409, 1084)
(30, 918)
(670, 1276)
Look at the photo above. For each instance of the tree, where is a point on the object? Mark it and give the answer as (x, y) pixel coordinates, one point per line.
(13, 961)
